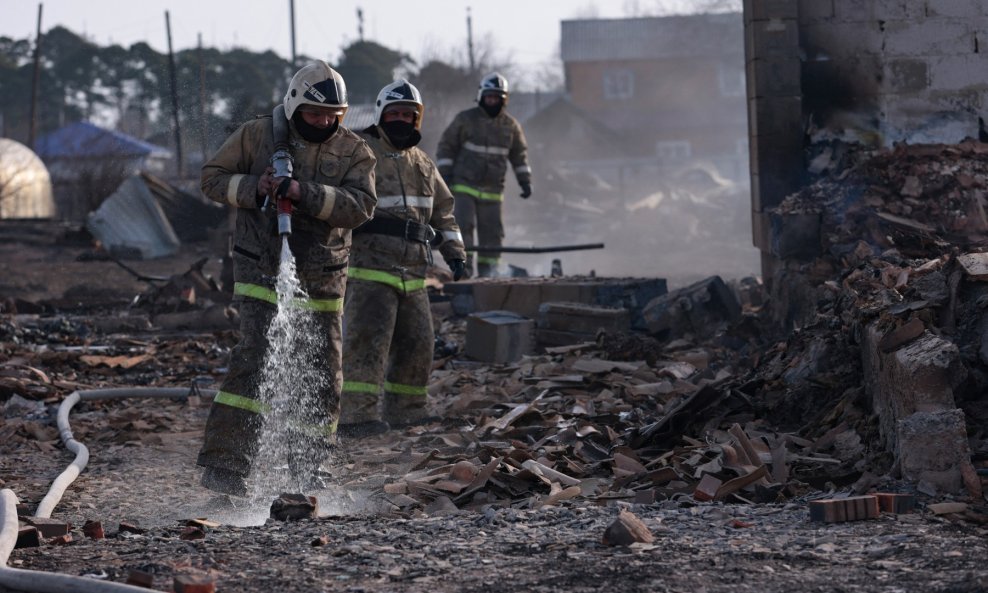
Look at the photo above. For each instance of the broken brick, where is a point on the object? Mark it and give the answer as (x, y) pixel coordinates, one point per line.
(837, 510)
(292, 507)
(127, 526)
(627, 529)
(49, 527)
(140, 578)
(191, 533)
(93, 530)
(61, 540)
(28, 537)
(895, 503)
(707, 488)
(322, 540)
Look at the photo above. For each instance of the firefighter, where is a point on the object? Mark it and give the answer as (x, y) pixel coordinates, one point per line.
(388, 335)
(471, 158)
(332, 191)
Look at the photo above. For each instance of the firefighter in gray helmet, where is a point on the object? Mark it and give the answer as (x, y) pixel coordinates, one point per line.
(388, 334)
(471, 158)
(331, 191)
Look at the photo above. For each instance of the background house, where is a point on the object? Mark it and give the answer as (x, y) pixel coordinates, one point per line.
(672, 88)
(87, 163)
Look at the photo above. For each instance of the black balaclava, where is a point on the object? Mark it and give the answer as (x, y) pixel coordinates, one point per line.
(312, 133)
(492, 111)
(402, 134)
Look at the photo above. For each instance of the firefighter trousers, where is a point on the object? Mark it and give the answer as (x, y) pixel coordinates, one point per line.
(388, 342)
(484, 215)
(236, 419)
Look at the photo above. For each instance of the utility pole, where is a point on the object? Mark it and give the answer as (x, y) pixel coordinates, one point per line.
(35, 85)
(360, 23)
(291, 15)
(473, 66)
(180, 169)
(202, 102)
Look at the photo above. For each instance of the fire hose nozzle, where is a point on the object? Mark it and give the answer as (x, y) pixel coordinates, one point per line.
(284, 216)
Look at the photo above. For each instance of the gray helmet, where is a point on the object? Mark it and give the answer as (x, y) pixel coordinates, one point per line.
(319, 85)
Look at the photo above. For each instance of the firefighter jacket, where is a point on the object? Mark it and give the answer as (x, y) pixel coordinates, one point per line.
(409, 188)
(336, 179)
(473, 149)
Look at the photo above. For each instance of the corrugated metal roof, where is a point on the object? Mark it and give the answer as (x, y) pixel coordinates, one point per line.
(653, 37)
(131, 220)
(86, 140)
(359, 116)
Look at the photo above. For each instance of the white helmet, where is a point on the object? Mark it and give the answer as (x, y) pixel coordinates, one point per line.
(493, 83)
(319, 85)
(399, 92)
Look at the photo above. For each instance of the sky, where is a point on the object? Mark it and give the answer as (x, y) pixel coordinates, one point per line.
(524, 31)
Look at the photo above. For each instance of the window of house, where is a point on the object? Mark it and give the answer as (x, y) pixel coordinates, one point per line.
(619, 84)
(731, 81)
(673, 150)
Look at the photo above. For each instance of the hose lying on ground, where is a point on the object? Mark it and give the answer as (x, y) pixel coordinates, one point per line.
(46, 582)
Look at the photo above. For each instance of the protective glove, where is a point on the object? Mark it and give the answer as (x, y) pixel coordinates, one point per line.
(526, 190)
(458, 267)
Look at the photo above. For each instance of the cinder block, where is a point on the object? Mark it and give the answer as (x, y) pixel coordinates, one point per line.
(850, 11)
(815, 10)
(836, 510)
(929, 37)
(907, 75)
(952, 73)
(961, 9)
(933, 447)
(768, 191)
(835, 38)
(498, 336)
(761, 231)
(900, 10)
(771, 39)
(759, 10)
(773, 78)
(777, 116)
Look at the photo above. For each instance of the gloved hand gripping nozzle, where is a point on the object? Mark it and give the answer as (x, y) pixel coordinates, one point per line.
(284, 169)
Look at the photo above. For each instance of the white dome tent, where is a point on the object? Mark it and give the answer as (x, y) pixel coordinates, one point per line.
(25, 186)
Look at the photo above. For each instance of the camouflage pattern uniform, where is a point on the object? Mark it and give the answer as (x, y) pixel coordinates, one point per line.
(471, 157)
(336, 179)
(388, 334)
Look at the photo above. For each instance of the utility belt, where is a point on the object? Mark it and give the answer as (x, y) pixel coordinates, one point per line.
(399, 227)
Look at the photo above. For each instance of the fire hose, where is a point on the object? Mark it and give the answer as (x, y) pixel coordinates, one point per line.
(508, 249)
(45, 582)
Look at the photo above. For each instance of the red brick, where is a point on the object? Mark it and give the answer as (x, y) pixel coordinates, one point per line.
(707, 488)
(895, 503)
(28, 537)
(61, 540)
(837, 510)
(140, 578)
(93, 530)
(49, 527)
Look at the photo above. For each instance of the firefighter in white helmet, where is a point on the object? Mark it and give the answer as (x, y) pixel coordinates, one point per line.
(331, 186)
(388, 334)
(471, 158)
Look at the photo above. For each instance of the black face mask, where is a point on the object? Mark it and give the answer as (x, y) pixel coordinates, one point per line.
(312, 133)
(402, 134)
(492, 110)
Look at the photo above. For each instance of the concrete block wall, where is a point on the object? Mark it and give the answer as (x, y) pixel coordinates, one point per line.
(884, 71)
(905, 70)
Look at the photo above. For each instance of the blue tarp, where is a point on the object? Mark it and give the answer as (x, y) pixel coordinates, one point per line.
(85, 140)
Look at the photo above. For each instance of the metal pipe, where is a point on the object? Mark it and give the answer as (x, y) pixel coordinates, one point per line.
(506, 249)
